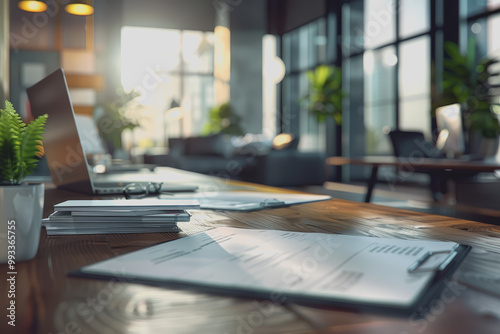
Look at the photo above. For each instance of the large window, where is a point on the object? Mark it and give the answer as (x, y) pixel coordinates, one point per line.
(169, 68)
(303, 50)
(386, 60)
(394, 40)
(414, 85)
(481, 25)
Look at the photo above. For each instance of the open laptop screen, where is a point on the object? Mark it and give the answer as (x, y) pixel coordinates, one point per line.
(62, 141)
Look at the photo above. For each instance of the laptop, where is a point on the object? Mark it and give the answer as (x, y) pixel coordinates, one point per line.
(94, 146)
(64, 145)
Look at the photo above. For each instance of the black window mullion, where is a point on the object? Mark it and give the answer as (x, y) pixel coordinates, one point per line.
(396, 72)
(397, 41)
(482, 15)
(436, 35)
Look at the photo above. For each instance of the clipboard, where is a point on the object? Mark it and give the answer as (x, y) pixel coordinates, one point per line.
(429, 270)
(268, 203)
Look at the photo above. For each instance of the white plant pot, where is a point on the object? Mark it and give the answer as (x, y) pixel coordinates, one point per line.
(21, 210)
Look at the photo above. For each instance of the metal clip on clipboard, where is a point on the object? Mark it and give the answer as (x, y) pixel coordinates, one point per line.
(271, 203)
(433, 261)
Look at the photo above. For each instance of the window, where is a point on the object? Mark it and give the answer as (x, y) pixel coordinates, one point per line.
(481, 24)
(379, 98)
(493, 43)
(476, 7)
(379, 22)
(394, 40)
(414, 17)
(303, 50)
(386, 52)
(414, 89)
(169, 68)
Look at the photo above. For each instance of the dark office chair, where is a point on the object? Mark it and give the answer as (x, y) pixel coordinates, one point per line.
(412, 144)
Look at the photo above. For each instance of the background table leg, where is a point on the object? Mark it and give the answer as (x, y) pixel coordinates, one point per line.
(371, 183)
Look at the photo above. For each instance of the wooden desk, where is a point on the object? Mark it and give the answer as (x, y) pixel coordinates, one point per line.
(409, 164)
(48, 301)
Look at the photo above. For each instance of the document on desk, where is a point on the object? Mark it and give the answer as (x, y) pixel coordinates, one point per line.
(247, 200)
(287, 266)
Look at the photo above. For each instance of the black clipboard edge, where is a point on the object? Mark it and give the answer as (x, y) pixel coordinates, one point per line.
(437, 285)
(426, 297)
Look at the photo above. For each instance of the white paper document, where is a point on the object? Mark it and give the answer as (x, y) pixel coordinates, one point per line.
(317, 266)
(247, 200)
(127, 205)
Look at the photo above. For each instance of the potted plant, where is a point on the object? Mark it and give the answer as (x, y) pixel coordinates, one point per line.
(324, 99)
(117, 116)
(470, 84)
(223, 119)
(21, 204)
(326, 94)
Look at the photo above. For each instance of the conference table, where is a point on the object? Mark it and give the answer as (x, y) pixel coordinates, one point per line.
(49, 301)
(410, 164)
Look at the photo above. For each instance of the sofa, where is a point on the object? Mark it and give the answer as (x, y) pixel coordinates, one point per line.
(253, 161)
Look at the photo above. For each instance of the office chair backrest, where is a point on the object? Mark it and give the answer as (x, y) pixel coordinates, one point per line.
(410, 143)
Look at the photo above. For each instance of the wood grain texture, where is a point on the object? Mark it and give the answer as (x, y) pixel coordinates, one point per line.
(49, 301)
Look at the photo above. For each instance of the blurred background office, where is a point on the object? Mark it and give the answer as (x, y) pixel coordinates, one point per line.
(164, 70)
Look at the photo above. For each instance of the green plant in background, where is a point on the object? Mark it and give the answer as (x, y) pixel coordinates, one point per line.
(116, 116)
(223, 119)
(326, 94)
(20, 145)
(372, 140)
(470, 85)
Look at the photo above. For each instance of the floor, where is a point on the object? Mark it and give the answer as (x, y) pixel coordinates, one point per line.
(415, 197)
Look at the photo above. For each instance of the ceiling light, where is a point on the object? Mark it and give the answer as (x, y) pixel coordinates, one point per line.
(79, 8)
(34, 6)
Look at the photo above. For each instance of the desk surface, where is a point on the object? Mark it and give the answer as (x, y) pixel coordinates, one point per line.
(48, 301)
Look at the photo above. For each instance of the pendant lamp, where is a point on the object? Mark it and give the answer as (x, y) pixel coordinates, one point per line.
(81, 8)
(34, 6)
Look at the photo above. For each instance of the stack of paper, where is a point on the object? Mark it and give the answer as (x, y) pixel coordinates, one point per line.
(118, 216)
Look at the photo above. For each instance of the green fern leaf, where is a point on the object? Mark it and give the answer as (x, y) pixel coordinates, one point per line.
(31, 138)
(19, 145)
(10, 129)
